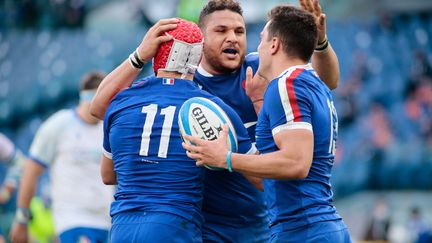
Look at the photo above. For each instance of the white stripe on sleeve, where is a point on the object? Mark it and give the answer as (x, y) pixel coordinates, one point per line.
(106, 153)
(292, 126)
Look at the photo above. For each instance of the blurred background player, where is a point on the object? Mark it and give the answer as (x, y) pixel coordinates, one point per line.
(68, 143)
(160, 190)
(233, 208)
(13, 160)
(296, 135)
(41, 226)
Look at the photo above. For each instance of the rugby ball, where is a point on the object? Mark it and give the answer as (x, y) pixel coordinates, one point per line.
(203, 118)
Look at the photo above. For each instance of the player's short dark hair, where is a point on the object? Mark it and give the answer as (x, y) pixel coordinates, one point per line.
(296, 30)
(91, 80)
(218, 5)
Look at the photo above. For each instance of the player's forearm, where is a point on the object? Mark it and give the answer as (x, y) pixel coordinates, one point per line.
(276, 165)
(326, 65)
(28, 183)
(257, 105)
(108, 174)
(120, 78)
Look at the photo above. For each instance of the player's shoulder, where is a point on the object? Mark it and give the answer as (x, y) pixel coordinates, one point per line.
(301, 75)
(225, 107)
(61, 115)
(58, 119)
(136, 88)
(143, 81)
(218, 101)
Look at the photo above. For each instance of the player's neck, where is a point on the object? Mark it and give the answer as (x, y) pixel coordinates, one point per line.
(83, 112)
(282, 63)
(168, 74)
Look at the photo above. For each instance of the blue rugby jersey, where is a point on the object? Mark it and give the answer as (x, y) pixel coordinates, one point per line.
(231, 198)
(141, 134)
(298, 99)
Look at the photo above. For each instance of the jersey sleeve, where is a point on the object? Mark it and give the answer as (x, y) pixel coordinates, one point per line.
(44, 146)
(245, 145)
(106, 146)
(287, 105)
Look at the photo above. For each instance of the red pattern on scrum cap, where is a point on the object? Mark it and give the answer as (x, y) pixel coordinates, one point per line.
(186, 31)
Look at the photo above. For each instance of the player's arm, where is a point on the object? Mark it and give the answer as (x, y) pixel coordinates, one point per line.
(107, 171)
(292, 161)
(31, 172)
(324, 59)
(124, 75)
(13, 176)
(12, 157)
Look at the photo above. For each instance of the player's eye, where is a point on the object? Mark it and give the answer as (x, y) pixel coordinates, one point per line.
(240, 31)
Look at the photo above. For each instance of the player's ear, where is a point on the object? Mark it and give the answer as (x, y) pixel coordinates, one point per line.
(276, 44)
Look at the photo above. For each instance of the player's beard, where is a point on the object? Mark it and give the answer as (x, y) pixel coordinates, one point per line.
(217, 64)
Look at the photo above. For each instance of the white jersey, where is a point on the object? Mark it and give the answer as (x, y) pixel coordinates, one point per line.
(72, 150)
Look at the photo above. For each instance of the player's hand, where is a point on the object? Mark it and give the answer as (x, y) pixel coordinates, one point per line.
(156, 36)
(19, 233)
(255, 85)
(313, 7)
(211, 153)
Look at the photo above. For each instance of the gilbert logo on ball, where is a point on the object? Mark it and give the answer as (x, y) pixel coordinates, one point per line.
(203, 118)
(183, 53)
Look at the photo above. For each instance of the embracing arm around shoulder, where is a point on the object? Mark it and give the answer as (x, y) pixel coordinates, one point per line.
(107, 171)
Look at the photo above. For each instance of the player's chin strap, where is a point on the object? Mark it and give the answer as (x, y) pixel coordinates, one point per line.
(184, 57)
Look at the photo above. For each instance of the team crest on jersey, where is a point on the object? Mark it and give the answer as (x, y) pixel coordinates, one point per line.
(168, 81)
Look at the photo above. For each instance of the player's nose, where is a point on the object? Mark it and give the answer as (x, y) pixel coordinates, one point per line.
(231, 36)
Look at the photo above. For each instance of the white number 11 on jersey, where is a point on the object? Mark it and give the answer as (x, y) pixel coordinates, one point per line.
(151, 111)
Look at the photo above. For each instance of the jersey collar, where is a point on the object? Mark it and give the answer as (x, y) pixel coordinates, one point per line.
(305, 66)
(203, 72)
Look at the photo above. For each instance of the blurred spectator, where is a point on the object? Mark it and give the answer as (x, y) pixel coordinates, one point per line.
(378, 138)
(347, 106)
(379, 224)
(420, 66)
(418, 107)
